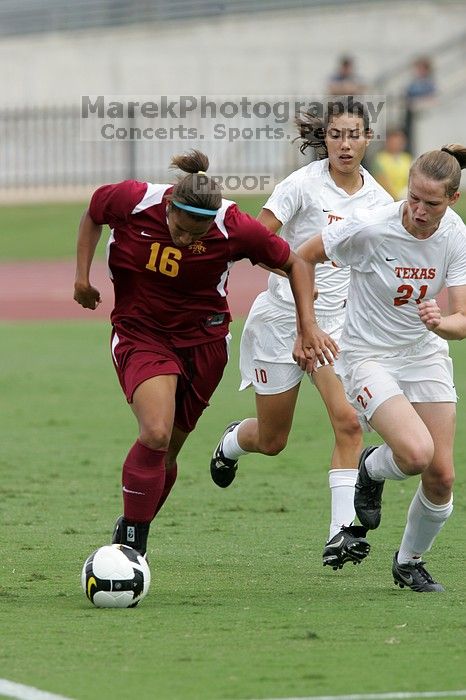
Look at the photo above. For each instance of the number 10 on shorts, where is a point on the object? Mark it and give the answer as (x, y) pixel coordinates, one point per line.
(261, 376)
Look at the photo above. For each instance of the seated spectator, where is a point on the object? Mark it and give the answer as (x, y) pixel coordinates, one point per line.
(419, 94)
(423, 83)
(391, 165)
(345, 80)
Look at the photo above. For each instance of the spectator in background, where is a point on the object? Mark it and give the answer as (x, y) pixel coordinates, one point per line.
(391, 165)
(419, 94)
(345, 81)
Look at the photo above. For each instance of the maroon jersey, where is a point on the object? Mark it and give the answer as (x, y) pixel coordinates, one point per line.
(162, 290)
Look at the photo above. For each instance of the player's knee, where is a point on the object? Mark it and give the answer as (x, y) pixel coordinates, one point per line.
(418, 457)
(274, 445)
(156, 437)
(347, 429)
(441, 486)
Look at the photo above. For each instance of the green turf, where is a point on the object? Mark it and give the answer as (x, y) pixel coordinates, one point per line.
(240, 606)
(48, 231)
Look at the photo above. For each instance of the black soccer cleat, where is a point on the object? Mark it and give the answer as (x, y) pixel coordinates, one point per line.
(368, 494)
(132, 534)
(222, 469)
(414, 576)
(349, 544)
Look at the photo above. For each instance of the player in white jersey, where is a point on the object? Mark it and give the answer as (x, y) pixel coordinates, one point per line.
(311, 197)
(394, 358)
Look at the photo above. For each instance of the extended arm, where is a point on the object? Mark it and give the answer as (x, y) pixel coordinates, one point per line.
(271, 222)
(315, 343)
(88, 237)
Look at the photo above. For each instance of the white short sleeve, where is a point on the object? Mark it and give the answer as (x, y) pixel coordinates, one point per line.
(456, 271)
(353, 241)
(286, 199)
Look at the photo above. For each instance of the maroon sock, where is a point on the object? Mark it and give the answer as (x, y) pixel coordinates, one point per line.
(170, 478)
(143, 482)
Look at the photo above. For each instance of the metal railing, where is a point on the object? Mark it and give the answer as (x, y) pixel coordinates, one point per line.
(43, 148)
(31, 16)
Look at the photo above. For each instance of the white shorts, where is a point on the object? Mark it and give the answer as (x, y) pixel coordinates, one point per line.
(267, 342)
(423, 373)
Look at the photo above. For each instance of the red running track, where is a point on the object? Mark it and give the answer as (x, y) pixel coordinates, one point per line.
(44, 290)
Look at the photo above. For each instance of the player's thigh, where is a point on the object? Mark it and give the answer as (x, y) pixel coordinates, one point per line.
(400, 426)
(154, 405)
(376, 394)
(275, 415)
(203, 367)
(266, 348)
(331, 389)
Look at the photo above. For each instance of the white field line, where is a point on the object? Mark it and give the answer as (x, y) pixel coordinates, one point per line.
(8, 689)
(385, 696)
(25, 692)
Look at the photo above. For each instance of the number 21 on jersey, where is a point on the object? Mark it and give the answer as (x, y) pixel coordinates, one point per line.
(406, 291)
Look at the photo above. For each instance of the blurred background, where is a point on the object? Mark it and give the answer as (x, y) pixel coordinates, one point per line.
(53, 52)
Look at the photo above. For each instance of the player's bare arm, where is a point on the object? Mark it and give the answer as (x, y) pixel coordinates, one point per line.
(271, 222)
(315, 343)
(324, 346)
(453, 325)
(88, 237)
(313, 250)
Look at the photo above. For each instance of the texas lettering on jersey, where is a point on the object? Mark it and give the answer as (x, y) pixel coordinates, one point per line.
(415, 273)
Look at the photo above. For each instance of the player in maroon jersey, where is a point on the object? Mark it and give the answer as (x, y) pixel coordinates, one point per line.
(169, 255)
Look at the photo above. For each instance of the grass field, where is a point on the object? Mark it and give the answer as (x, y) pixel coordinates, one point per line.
(48, 231)
(240, 606)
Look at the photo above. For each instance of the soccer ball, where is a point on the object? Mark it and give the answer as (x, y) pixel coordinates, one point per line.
(115, 576)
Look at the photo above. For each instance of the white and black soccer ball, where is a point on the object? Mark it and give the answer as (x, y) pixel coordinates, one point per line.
(115, 576)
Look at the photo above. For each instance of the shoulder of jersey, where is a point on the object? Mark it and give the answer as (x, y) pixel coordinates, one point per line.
(311, 171)
(376, 215)
(315, 169)
(374, 185)
(455, 219)
(153, 195)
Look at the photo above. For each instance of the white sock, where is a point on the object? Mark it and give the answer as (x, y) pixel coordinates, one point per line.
(341, 482)
(425, 520)
(380, 465)
(230, 446)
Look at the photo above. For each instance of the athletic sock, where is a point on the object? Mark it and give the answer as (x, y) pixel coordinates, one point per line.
(170, 478)
(341, 482)
(143, 482)
(380, 465)
(425, 520)
(230, 445)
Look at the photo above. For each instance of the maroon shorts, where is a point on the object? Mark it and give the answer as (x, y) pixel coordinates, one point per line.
(199, 369)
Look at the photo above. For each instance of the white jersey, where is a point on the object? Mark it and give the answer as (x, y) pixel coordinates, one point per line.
(391, 271)
(305, 202)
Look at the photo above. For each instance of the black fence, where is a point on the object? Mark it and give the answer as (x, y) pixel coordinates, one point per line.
(32, 16)
(44, 147)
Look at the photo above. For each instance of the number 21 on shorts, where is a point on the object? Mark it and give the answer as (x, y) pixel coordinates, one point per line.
(363, 397)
